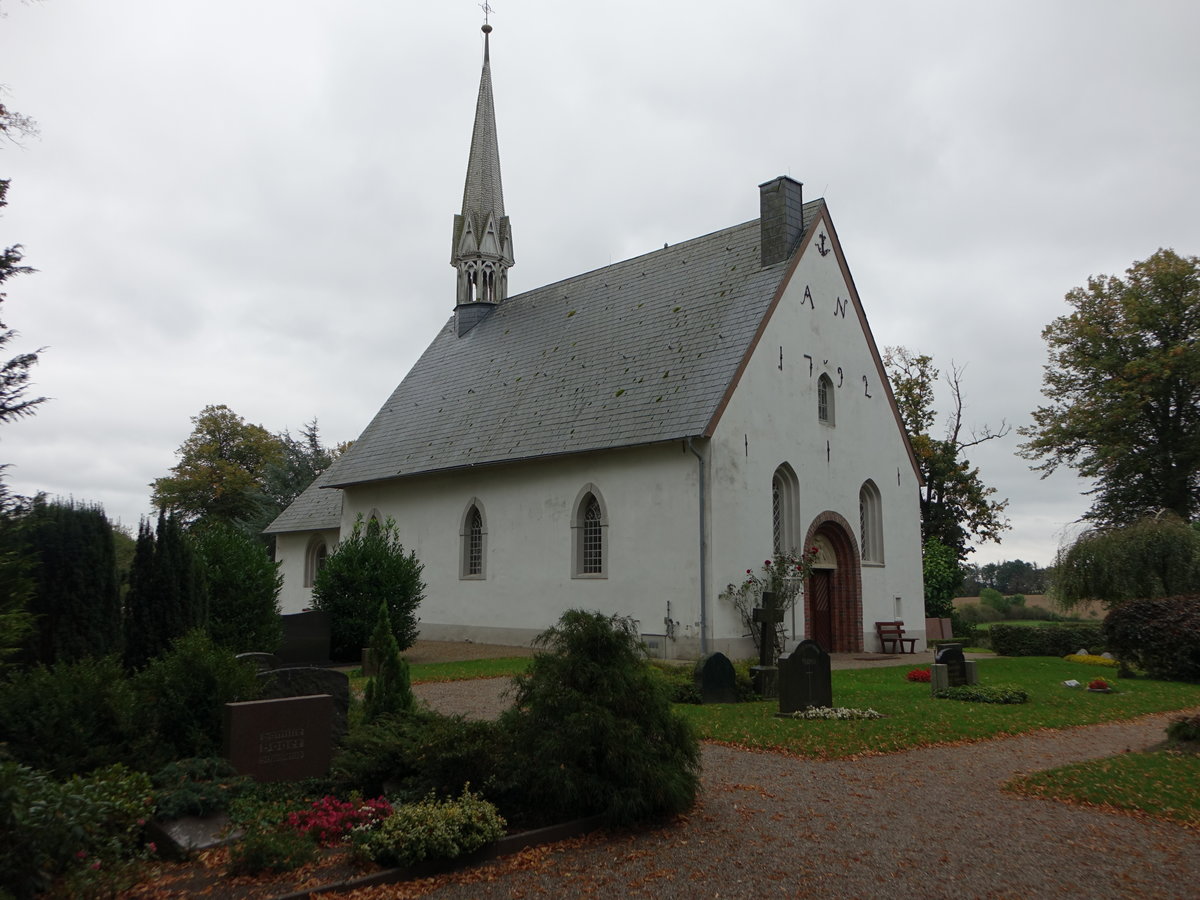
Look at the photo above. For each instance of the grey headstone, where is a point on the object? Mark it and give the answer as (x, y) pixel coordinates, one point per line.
(180, 838)
(939, 678)
(951, 656)
(715, 679)
(280, 740)
(303, 681)
(305, 639)
(805, 680)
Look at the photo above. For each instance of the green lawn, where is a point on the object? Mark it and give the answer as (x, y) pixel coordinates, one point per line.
(914, 719)
(1164, 784)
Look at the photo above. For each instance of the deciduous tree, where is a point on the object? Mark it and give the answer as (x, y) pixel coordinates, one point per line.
(956, 506)
(1123, 385)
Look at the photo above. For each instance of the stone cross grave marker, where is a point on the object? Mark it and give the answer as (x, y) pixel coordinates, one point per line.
(715, 679)
(804, 678)
(280, 740)
(767, 617)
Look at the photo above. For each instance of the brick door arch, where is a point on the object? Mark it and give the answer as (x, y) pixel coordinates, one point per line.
(842, 625)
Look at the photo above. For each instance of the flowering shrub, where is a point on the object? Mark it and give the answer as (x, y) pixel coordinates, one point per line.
(918, 675)
(1092, 660)
(1098, 684)
(783, 576)
(330, 820)
(836, 712)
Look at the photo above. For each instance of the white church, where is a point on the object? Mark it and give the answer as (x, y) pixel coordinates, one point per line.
(634, 438)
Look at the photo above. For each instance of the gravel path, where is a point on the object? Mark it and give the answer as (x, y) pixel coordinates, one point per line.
(929, 823)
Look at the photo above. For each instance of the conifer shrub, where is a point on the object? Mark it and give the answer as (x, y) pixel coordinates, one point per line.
(71, 717)
(592, 729)
(270, 850)
(389, 692)
(984, 693)
(243, 585)
(367, 567)
(1160, 635)
(182, 696)
(196, 787)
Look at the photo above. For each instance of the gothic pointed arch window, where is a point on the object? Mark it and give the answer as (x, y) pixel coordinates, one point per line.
(589, 535)
(314, 559)
(785, 509)
(870, 519)
(825, 399)
(473, 543)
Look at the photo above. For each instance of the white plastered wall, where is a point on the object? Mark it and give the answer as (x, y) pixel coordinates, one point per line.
(650, 496)
(291, 549)
(772, 418)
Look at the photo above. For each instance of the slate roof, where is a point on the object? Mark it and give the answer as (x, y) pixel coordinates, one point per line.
(313, 510)
(638, 352)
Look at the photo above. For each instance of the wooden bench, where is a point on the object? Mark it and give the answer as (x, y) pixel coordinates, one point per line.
(893, 633)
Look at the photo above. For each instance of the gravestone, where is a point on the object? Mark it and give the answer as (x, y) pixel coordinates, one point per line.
(280, 740)
(302, 681)
(765, 675)
(715, 679)
(305, 639)
(951, 656)
(262, 661)
(804, 678)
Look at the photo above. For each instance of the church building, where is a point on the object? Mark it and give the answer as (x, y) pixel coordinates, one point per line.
(634, 438)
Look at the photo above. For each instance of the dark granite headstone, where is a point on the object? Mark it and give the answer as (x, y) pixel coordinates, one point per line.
(804, 678)
(951, 656)
(280, 740)
(715, 679)
(305, 639)
(305, 680)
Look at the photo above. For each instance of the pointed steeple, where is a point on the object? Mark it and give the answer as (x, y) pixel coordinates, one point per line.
(482, 248)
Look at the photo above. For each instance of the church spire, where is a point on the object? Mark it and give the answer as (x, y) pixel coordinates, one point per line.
(482, 249)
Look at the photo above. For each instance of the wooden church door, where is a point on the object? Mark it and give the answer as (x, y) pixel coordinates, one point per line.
(822, 611)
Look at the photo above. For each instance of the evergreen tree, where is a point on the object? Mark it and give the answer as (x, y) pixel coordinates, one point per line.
(75, 598)
(167, 595)
(390, 691)
(243, 589)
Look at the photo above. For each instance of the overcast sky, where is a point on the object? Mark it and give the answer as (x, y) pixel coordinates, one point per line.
(250, 202)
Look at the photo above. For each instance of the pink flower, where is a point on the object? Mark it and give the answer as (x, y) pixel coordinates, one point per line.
(81, 854)
(96, 865)
(152, 847)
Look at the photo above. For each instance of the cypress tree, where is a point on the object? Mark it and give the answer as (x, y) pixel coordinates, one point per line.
(166, 596)
(390, 691)
(76, 597)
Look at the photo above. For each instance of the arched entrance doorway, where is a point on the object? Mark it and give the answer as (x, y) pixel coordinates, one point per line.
(833, 594)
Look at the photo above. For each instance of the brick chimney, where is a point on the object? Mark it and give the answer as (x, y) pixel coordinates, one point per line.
(781, 220)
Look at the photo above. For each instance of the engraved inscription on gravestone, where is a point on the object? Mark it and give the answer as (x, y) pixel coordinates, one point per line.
(280, 740)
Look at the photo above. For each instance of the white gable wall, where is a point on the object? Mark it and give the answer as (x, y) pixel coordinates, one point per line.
(772, 418)
(650, 496)
(291, 549)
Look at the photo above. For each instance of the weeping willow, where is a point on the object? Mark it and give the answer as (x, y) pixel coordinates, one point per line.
(1155, 557)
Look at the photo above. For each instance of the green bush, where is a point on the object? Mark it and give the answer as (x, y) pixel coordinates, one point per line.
(243, 589)
(389, 692)
(993, 599)
(974, 613)
(1184, 728)
(271, 850)
(1160, 635)
(1045, 640)
(369, 566)
(71, 717)
(411, 755)
(984, 693)
(1040, 613)
(183, 695)
(432, 829)
(592, 730)
(81, 829)
(196, 787)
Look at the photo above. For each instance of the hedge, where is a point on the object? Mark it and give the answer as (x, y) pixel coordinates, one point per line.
(1161, 635)
(1045, 640)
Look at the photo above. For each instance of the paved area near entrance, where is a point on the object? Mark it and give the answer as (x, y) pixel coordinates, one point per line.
(927, 823)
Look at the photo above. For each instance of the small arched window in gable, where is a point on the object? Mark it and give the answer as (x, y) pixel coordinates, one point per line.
(870, 518)
(825, 399)
(314, 559)
(589, 550)
(473, 539)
